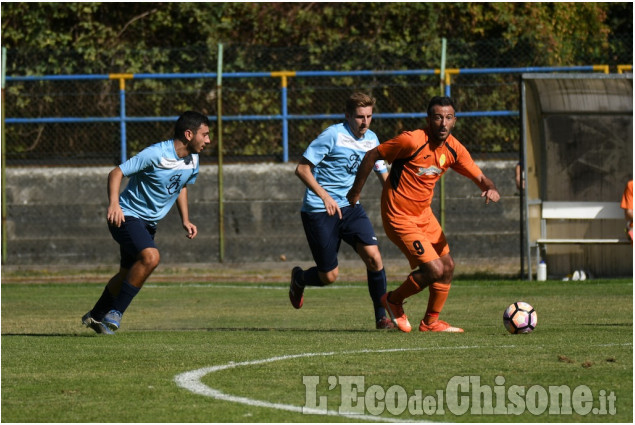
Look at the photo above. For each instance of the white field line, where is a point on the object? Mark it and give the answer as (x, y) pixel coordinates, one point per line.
(191, 380)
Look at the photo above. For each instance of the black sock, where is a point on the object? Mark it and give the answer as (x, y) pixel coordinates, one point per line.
(377, 288)
(123, 300)
(311, 277)
(103, 305)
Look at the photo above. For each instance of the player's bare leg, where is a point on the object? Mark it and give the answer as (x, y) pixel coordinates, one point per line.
(114, 284)
(370, 256)
(142, 269)
(329, 277)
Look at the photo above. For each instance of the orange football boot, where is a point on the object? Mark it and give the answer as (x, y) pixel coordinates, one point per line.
(438, 326)
(395, 311)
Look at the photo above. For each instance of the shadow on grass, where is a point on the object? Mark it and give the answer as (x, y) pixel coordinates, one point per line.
(220, 329)
(82, 335)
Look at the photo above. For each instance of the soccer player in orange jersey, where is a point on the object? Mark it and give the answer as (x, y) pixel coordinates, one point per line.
(627, 206)
(419, 158)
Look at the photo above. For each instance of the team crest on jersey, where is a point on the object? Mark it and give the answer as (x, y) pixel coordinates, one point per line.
(175, 184)
(442, 160)
(354, 161)
(429, 171)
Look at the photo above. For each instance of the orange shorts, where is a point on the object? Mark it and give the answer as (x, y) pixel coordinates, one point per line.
(420, 238)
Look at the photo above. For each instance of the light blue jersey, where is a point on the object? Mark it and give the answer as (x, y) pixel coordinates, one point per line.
(157, 176)
(337, 154)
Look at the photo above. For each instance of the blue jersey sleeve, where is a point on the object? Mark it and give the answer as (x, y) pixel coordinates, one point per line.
(321, 146)
(146, 158)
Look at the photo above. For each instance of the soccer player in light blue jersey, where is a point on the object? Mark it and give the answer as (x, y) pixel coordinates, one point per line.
(158, 177)
(328, 168)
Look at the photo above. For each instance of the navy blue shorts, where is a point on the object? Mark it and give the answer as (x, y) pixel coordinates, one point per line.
(325, 234)
(133, 236)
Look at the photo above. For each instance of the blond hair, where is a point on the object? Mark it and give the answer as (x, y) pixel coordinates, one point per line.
(358, 100)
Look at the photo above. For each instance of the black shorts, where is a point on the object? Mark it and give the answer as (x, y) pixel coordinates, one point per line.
(325, 234)
(133, 236)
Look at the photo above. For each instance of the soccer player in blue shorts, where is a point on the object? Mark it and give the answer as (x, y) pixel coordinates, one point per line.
(328, 168)
(158, 177)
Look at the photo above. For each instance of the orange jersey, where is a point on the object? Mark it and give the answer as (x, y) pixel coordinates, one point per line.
(627, 197)
(627, 204)
(416, 168)
(405, 208)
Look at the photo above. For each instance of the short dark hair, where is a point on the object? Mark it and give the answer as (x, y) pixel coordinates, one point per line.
(358, 100)
(440, 101)
(189, 120)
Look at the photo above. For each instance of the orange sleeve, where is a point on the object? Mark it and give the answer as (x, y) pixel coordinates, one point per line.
(401, 146)
(464, 164)
(627, 196)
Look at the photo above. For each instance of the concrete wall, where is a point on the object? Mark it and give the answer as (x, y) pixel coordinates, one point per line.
(57, 216)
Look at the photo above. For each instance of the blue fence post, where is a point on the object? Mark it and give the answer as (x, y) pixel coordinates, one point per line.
(122, 123)
(122, 111)
(285, 122)
(285, 112)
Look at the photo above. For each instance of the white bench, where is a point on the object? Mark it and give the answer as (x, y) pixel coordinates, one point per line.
(578, 211)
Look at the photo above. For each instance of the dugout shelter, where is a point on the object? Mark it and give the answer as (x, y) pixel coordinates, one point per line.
(577, 149)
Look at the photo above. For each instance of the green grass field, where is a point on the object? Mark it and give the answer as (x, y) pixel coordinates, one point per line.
(262, 361)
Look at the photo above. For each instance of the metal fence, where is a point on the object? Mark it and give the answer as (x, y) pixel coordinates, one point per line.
(103, 119)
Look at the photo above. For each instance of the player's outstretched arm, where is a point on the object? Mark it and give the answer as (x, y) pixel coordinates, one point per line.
(114, 214)
(363, 171)
(181, 205)
(488, 188)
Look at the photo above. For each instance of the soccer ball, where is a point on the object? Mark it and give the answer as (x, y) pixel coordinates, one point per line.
(520, 318)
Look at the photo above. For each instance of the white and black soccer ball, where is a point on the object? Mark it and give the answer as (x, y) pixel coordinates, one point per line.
(520, 318)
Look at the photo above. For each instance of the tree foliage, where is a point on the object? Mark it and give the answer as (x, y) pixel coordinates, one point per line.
(180, 37)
